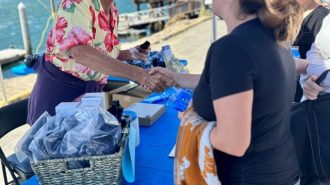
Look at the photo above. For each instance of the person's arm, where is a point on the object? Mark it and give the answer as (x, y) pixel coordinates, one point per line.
(101, 62)
(301, 66)
(317, 63)
(71, 40)
(189, 81)
(232, 134)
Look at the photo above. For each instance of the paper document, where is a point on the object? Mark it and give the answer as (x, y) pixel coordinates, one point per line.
(172, 153)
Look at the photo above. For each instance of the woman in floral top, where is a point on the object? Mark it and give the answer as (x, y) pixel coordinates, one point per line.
(82, 50)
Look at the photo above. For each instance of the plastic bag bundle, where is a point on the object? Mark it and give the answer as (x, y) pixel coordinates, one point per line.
(175, 97)
(180, 99)
(88, 131)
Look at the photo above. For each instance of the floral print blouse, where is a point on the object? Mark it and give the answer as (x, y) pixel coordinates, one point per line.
(82, 22)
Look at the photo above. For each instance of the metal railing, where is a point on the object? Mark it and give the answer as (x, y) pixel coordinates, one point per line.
(156, 15)
(143, 17)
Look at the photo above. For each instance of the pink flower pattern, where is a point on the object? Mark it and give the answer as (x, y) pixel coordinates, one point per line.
(67, 34)
(60, 26)
(77, 36)
(92, 11)
(55, 34)
(110, 39)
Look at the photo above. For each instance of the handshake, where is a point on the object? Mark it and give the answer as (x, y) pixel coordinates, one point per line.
(158, 79)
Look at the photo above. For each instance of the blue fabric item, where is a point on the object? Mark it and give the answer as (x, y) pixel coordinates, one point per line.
(128, 162)
(177, 98)
(21, 70)
(152, 164)
(160, 98)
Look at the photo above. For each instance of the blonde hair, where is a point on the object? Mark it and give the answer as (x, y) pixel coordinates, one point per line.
(282, 17)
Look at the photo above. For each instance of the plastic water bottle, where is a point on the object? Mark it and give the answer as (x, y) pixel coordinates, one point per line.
(134, 123)
(116, 110)
(168, 56)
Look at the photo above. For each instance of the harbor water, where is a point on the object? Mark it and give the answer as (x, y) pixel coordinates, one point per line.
(38, 12)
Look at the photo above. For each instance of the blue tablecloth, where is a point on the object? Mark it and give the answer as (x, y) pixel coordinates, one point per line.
(153, 166)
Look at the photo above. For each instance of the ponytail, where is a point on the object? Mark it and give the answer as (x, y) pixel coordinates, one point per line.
(282, 17)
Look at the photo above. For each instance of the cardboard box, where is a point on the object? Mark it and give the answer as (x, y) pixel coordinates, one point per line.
(126, 101)
(147, 113)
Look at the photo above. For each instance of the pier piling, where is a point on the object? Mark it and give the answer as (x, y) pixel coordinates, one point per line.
(24, 28)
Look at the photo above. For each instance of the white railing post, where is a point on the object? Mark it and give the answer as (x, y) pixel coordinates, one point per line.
(214, 21)
(214, 28)
(24, 28)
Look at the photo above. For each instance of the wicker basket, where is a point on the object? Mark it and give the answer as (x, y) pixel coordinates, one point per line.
(102, 170)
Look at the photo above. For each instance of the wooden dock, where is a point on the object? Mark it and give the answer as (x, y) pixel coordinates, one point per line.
(8, 56)
(161, 14)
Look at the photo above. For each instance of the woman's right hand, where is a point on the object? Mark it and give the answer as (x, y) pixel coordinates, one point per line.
(311, 89)
(170, 75)
(156, 82)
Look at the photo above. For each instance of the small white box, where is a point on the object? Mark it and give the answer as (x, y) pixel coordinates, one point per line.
(147, 113)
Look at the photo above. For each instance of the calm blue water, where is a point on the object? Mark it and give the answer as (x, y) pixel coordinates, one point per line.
(10, 31)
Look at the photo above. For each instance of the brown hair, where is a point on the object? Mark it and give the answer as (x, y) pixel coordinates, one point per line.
(283, 17)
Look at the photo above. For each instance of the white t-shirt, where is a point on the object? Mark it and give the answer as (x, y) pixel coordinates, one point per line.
(319, 56)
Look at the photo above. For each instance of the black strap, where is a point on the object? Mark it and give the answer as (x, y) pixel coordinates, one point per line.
(322, 77)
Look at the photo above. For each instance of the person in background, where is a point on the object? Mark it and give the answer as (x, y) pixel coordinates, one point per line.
(314, 13)
(325, 3)
(247, 87)
(82, 50)
(319, 61)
